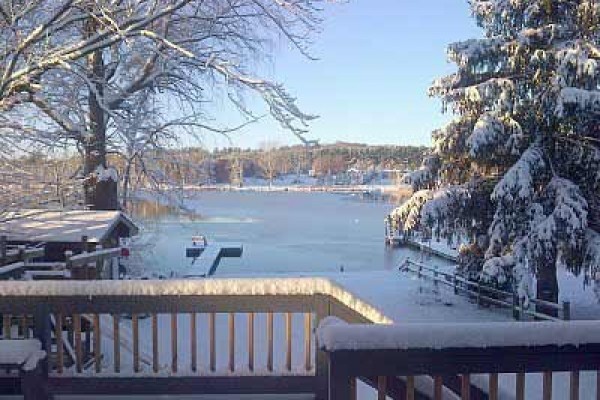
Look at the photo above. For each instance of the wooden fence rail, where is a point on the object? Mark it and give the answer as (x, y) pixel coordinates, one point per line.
(371, 354)
(485, 294)
(173, 342)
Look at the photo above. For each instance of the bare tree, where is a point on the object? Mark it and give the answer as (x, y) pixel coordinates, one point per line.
(181, 54)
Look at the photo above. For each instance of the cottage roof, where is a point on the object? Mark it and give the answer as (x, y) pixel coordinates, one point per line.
(38, 225)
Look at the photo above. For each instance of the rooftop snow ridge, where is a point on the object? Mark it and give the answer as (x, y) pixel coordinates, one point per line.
(191, 287)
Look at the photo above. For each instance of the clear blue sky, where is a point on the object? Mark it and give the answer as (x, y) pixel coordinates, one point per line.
(376, 59)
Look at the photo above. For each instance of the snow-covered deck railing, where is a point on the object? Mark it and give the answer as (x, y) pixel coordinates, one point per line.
(238, 335)
(459, 349)
(485, 294)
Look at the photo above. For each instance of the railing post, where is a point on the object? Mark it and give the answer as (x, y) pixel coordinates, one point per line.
(99, 264)
(41, 331)
(566, 310)
(478, 294)
(68, 263)
(522, 307)
(515, 306)
(323, 310)
(2, 249)
(455, 284)
(340, 384)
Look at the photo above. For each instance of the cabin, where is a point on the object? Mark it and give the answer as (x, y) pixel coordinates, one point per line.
(60, 230)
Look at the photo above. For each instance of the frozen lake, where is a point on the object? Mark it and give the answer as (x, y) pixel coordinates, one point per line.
(281, 232)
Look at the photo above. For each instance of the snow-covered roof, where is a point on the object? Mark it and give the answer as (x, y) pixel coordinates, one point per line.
(38, 225)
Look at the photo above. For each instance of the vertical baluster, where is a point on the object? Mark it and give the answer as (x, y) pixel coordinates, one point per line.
(194, 341)
(465, 387)
(97, 346)
(6, 329)
(77, 339)
(520, 387)
(575, 385)
(155, 359)
(410, 387)
(597, 385)
(288, 341)
(493, 389)
(136, 342)
(211, 329)
(547, 383)
(270, 341)
(231, 341)
(381, 387)
(437, 387)
(24, 327)
(352, 388)
(60, 359)
(116, 344)
(307, 341)
(174, 354)
(251, 341)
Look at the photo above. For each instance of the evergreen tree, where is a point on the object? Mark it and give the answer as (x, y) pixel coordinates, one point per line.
(517, 172)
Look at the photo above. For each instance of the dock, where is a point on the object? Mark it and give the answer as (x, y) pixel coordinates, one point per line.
(397, 241)
(208, 261)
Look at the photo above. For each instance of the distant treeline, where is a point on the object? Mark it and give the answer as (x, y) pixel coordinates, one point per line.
(39, 179)
(228, 165)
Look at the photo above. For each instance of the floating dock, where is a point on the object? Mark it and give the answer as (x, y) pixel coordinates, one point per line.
(208, 261)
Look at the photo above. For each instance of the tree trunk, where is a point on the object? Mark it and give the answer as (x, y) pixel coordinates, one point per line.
(547, 289)
(126, 181)
(100, 189)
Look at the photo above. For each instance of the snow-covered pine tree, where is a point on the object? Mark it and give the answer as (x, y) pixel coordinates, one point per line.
(517, 171)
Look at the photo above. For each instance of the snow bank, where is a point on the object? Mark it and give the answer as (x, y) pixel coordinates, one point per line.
(231, 287)
(26, 353)
(333, 334)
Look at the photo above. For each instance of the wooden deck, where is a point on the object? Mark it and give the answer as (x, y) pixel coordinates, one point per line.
(240, 336)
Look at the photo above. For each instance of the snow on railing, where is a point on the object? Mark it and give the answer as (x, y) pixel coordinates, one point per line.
(334, 334)
(210, 328)
(424, 353)
(203, 287)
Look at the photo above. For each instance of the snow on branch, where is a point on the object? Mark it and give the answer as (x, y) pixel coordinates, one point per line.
(495, 137)
(518, 184)
(575, 99)
(408, 215)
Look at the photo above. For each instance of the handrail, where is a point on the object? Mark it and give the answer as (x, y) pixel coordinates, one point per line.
(87, 257)
(476, 288)
(25, 291)
(127, 320)
(442, 350)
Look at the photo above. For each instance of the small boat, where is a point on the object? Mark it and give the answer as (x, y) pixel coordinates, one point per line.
(199, 244)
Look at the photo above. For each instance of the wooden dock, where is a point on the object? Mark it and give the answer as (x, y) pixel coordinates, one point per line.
(398, 241)
(208, 262)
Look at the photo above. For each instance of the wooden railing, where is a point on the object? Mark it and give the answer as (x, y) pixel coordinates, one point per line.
(203, 336)
(437, 353)
(86, 264)
(485, 294)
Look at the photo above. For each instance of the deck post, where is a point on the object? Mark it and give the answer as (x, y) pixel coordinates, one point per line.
(566, 310)
(454, 282)
(41, 331)
(34, 382)
(340, 384)
(3, 249)
(323, 310)
(515, 306)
